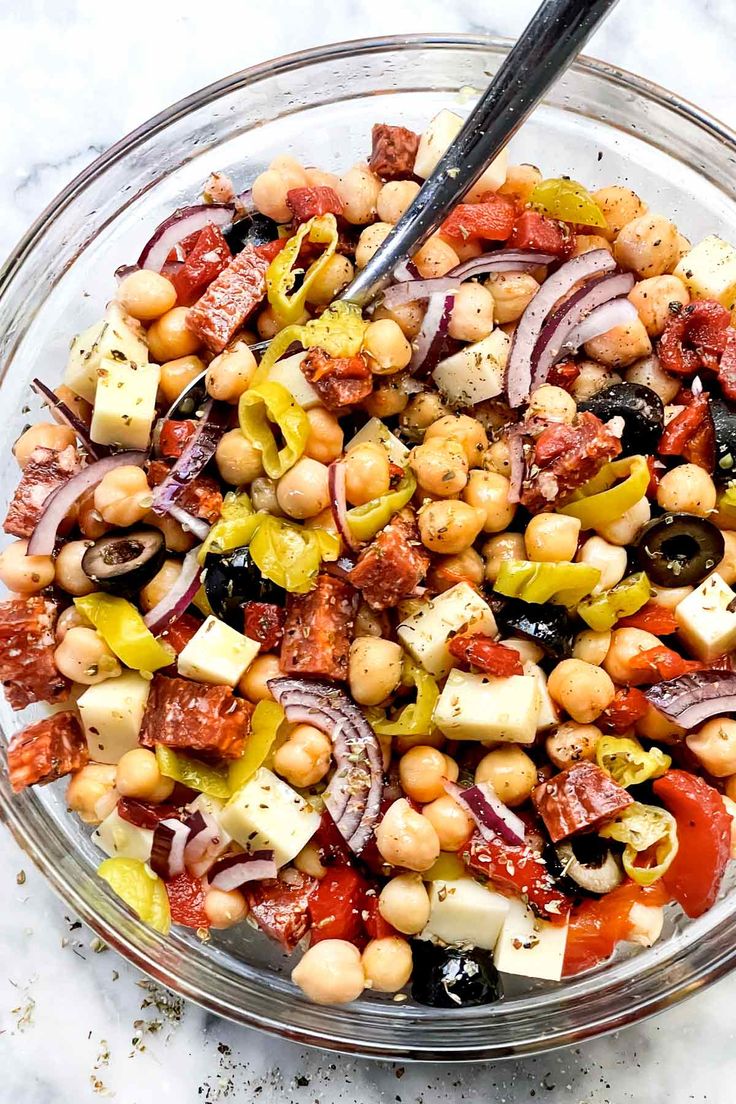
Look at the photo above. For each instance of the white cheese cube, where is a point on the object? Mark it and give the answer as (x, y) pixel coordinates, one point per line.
(120, 839)
(528, 946)
(112, 715)
(464, 911)
(376, 433)
(217, 654)
(268, 815)
(440, 133)
(491, 180)
(125, 404)
(709, 271)
(482, 707)
(117, 337)
(548, 714)
(476, 373)
(704, 621)
(426, 634)
(288, 373)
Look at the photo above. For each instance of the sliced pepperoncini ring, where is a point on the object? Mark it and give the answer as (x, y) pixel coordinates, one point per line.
(414, 719)
(234, 527)
(124, 631)
(367, 520)
(290, 555)
(268, 403)
(141, 889)
(264, 725)
(602, 611)
(628, 763)
(567, 200)
(339, 330)
(603, 499)
(644, 828)
(564, 584)
(191, 772)
(281, 274)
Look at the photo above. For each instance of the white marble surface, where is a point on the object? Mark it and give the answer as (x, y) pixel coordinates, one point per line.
(75, 1024)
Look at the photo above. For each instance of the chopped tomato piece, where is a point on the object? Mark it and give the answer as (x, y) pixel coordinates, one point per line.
(662, 663)
(704, 838)
(655, 619)
(491, 220)
(483, 652)
(691, 434)
(180, 632)
(628, 707)
(175, 436)
(186, 901)
(535, 231)
(694, 338)
(597, 925)
(521, 869)
(209, 255)
(269, 250)
(264, 622)
(336, 906)
(654, 468)
(375, 925)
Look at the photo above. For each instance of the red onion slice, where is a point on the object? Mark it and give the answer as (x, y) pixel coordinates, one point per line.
(406, 270)
(194, 458)
(488, 811)
(429, 343)
(206, 842)
(173, 604)
(188, 521)
(617, 312)
(235, 870)
(60, 409)
(561, 282)
(502, 260)
(338, 502)
(691, 699)
(61, 500)
(167, 853)
(353, 797)
(183, 222)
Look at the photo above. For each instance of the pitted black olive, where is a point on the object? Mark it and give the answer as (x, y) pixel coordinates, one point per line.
(724, 425)
(549, 626)
(123, 563)
(253, 229)
(448, 977)
(232, 578)
(679, 549)
(640, 407)
(589, 864)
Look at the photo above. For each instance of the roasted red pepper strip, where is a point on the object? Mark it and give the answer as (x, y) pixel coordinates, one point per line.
(375, 925)
(209, 255)
(655, 619)
(491, 220)
(280, 906)
(264, 622)
(522, 870)
(727, 367)
(307, 203)
(339, 381)
(180, 632)
(269, 250)
(578, 799)
(563, 374)
(175, 436)
(694, 338)
(628, 707)
(704, 838)
(535, 231)
(486, 654)
(691, 434)
(662, 663)
(186, 901)
(597, 925)
(336, 906)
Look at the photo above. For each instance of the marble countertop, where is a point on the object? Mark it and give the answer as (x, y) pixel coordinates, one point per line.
(76, 1023)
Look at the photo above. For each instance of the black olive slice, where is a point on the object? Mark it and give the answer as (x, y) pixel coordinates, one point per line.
(232, 578)
(254, 229)
(641, 409)
(724, 424)
(679, 549)
(590, 864)
(451, 977)
(549, 626)
(122, 563)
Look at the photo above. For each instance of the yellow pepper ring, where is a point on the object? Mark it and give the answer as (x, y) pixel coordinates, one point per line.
(281, 273)
(603, 499)
(264, 725)
(268, 403)
(122, 628)
(367, 520)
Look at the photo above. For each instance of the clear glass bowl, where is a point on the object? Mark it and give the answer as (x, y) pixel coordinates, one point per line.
(599, 125)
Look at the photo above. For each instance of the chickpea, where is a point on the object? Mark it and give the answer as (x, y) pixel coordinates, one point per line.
(358, 189)
(370, 241)
(488, 492)
(422, 771)
(405, 838)
(254, 683)
(305, 758)
(238, 461)
(464, 567)
(325, 436)
(649, 373)
(229, 375)
(176, 375)
(404, 903)
(263, 495)
(42, 435)
(468, 431)
(621, 345)
(655, 298)
(387, 399)
(498, 457)
(330, 972)
(472, 313)
(727, 567)
(435, 258)
(453, 825)
(269, 196)
(394, 198)
(290, 170)
(506, 546)
(586, 243)
(618, 206)
(593, 378)
(146, 295)
(302, 491)
(22, 573)
(68, 569)
(512, 293)
(160, 585)
(421, 411)
(409, 317)
(451, 526)
(670, 597)
(225, 907)
(308, 861)
(440, 466)
(714, 745)
(386, 347)
(83, 656)
(624, 530)
(374, 669)
(655, 726)
(387, 964)
(138, 776)
(510, 771)
(591, 646)
(330, 280)
(76, 404)
(370, 622)
(626, 644)
(521, 180)
(123, 497)
(169, 338)
(87, 787)
(553, 403)
(367, 472)
(582, 690)
(610, 560)
(648, 246)
(571, 743)
(687, 488)
(177, 536)
(552, 538)
(70, 618)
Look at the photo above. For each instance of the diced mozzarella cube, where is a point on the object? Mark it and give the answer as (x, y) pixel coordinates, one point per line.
(289, 374)
(482, 707)
(267, 814)
(464, 911)
(112, 715)
(426, 634)
(119, 838)
(704, 621)
(709, 271)
(476, 373)
(548, 714)
(217, 654)
(528, 946)
(125, 404)
(117, 337)
(491, 180)
(376, 433)
(440, 133)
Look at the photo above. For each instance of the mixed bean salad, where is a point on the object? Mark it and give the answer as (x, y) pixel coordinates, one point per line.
(405, 636)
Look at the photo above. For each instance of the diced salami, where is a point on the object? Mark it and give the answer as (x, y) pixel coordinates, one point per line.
(208, 257)
(319, 629)
(578, 799)
(264, 622)
(46, 750)
(280, 906)
(175, 436)
(307, 203)
(27, 646)
(490, 220)
(339, 381)
(393, 152)
(393, 565)
(201, 496)
(566, 457)
(207, 719)
(229, 299)
(46, 470)
(535, 231)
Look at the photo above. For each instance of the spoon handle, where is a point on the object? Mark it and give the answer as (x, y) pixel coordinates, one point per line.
(548, 45)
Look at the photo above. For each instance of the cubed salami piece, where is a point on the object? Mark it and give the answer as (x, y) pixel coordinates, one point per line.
(46, 470)
(27, 644)
(535, 231)
(393, 152)
(339, 381)
(190, 715)
(264, 622)
(229, 299)
(566, 457)
(307, 203)
(319, 629)
(579, 799)
(201, 496)
(280, 906)
(393, 565)
(46, 750)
